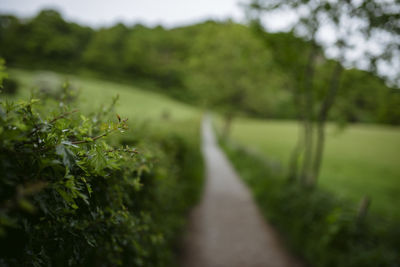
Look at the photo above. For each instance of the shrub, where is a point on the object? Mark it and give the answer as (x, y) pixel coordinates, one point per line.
(69, 198)
(10, 86)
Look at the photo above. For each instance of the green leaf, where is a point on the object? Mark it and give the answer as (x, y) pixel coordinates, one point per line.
(67, 155)
(98, 160)
(67, 197)
(26, 205)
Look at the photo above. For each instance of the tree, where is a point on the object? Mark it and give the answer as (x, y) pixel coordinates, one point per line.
(382, 26)
(224, 71)
(315, 101)
(155, 53)
(45, 40)
(308, 25)
(104, 52)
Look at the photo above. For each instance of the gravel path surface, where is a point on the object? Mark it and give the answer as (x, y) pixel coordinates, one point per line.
(226, 229)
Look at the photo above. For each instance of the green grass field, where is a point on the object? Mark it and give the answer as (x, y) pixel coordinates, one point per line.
(133, 102)
(360, 160)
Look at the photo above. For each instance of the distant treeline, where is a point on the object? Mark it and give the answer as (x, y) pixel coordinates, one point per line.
(228, 66)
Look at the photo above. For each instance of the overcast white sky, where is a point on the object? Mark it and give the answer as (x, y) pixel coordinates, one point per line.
(105, 12)
(170, 13)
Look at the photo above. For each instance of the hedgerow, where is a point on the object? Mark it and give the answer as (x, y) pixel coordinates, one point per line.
(318, 226)
(69, 198)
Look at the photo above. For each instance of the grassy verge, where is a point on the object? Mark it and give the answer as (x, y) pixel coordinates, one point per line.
(359, 160)
(317, 225)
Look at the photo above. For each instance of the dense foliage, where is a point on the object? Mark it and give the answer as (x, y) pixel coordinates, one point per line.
(217, 64)
(71, 196)
(319, 227)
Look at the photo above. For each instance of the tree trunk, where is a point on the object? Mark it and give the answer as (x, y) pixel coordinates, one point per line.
(308, 114)
(295, 157)
(227, 127)
(322, 117)
(296, 152)
(364, 205)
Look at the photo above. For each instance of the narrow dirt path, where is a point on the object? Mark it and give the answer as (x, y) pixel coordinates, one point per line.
(226, 229)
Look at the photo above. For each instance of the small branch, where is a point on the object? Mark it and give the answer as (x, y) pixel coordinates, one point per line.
(87, 141)
(54, 120)
(63, 115)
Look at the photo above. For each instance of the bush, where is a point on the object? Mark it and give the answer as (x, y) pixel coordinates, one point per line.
(318, 226)
(69, 198)
(10, 86)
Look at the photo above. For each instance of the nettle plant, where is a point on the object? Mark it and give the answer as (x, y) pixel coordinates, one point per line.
(65, 193)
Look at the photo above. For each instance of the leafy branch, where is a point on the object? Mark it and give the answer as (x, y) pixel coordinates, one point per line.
(61, 116)
(120, 126)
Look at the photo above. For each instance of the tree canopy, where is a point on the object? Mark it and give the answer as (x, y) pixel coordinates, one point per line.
(222, 64)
